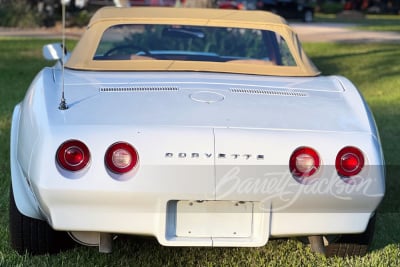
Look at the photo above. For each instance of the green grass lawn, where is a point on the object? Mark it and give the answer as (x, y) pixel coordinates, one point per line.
(373, 68)
(369, 23)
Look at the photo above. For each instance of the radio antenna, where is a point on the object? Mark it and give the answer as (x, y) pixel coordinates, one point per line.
(63, 104)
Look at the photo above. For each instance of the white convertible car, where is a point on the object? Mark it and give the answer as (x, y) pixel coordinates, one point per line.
(198, 127)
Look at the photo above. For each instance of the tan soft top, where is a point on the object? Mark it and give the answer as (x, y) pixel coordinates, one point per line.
(160, 14)
(82, 56)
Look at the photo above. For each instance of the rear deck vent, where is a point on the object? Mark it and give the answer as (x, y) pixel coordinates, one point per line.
(268, 91)
(139, 89)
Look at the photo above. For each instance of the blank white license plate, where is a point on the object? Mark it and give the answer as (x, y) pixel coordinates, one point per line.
(214, 219)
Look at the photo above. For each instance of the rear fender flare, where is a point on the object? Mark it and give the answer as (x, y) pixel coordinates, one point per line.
(25, 200)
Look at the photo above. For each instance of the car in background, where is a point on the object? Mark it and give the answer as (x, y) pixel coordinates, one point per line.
(135, 2)
(152, 2)
(239, 4)
(289, 9)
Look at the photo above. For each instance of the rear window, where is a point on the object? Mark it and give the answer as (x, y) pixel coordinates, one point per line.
(193, 43)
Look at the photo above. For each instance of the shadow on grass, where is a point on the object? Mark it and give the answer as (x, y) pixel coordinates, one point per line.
(378, 62)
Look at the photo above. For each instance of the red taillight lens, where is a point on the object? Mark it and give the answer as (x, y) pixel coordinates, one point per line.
(121, 158)
(349, 161)
(304, 162)
(73, 155)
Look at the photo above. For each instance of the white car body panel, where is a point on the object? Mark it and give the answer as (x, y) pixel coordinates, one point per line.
(273, 127)
(160, 101)
(213, 149)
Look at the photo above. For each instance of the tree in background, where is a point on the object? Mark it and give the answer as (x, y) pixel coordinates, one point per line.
(18, 13)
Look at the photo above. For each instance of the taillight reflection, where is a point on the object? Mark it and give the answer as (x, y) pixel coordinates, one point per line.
(304, 162)
(121, 158)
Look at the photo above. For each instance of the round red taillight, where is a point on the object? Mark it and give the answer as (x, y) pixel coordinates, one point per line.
(349, 161)
(304, 162)
(121, 158)
(73, 155)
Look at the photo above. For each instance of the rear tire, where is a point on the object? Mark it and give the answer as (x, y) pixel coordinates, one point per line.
(33, 236)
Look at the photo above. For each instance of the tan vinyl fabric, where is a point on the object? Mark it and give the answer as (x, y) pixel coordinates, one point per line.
(82, 56)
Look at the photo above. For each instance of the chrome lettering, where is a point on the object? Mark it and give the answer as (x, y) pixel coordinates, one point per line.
(196, 155)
